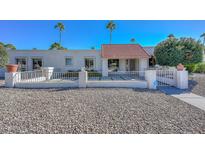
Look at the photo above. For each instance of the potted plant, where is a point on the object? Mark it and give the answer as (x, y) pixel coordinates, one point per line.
(11, 68)
(180, 67)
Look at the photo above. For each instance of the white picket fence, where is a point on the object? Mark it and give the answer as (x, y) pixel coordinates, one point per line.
(40, 75)
(166, 77)
(30, 76)
(64, 75)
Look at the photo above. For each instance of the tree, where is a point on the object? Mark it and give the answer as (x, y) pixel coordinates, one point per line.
(192, 50)
(3, 56)
(8, 46)
(56, 46)
(60, 26)
(92, 48)
(203, 37)
(132, 40)
(111, 26)
(171, 36)
(173, 51)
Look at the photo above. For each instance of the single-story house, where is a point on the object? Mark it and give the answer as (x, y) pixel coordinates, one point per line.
(111, 57)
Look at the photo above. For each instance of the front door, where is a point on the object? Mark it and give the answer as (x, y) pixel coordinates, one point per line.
(132, 65)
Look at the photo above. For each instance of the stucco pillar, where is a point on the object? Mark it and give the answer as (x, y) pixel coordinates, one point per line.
(151, 78)
(143, 64)
(83, 78)
(182, 79)
(122, 65)
(48, 72)
(11, 79)
(29, 64)
(104, 67)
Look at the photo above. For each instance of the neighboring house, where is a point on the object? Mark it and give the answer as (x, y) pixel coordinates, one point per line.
(114, 57)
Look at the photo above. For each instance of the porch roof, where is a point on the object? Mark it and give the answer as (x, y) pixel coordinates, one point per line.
(123, 51)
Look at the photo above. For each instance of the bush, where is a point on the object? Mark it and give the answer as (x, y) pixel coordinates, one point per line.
(191, 68)
(3, 56)
(200, 68)
(94, 74)
(173, 51)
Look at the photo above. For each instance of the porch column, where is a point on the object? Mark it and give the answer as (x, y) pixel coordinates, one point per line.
(143, 64)
(104, 67)
(122, 65)
(29, 64)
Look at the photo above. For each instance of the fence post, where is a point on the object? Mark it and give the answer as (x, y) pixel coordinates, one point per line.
(83, 78)
(48, 71)
(182, 79)
(11, 78)
(151, 78)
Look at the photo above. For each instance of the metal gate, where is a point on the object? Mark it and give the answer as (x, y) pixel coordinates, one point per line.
(166, 77)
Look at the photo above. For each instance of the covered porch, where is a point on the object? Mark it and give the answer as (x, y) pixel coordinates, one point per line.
(124, 58)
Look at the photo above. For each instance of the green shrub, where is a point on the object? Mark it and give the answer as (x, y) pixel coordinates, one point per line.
(94, 74)
(200, 68)
(191, 68)
(173, 51)
(71, 74)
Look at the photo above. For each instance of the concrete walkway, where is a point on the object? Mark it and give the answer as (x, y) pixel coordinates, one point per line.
(186, 96)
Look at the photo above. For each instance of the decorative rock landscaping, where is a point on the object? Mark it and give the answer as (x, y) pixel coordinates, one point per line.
(96, 111)
(197, 84)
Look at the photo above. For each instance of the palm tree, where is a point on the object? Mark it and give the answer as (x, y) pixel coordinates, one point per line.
(111, 26)
(92, 48)
(203, 37)
(55, 46)
(132, 40)
(171, 36)
(10, 46)
(60, 26)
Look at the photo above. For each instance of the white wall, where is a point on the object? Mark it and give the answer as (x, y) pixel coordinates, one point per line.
(56, 58)
(117, 84)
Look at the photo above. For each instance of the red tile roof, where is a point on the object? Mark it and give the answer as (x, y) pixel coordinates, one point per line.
(123, 51)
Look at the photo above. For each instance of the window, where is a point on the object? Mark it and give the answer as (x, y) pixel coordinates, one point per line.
(37, 63)
(113, 64)
(22, 64)
(89, 63)
(68, 61)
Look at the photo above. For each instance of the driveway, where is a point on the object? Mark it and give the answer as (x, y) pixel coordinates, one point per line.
(96, 111)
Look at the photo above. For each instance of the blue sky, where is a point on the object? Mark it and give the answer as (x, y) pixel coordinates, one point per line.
(83, 34)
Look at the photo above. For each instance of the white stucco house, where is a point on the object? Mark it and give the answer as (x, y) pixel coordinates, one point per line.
(114, 65)
(111, 57)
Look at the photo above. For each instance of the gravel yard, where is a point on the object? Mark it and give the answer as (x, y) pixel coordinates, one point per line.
(197, 84)
(96, 111)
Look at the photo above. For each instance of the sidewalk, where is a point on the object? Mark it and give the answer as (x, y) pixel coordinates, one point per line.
(186, 96)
